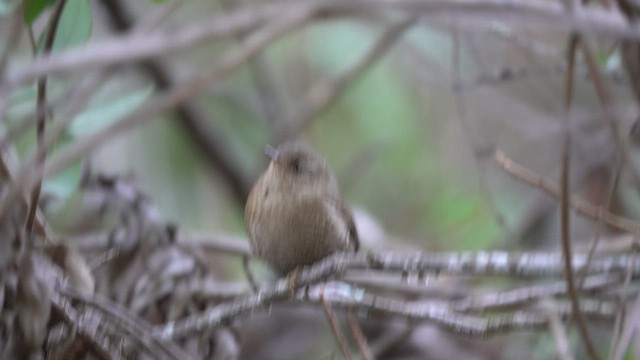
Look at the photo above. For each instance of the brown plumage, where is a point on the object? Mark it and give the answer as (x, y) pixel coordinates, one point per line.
(295, 214)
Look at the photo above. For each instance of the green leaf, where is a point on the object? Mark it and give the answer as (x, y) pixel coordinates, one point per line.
(33, 8)
(102, 115)
(75, 25)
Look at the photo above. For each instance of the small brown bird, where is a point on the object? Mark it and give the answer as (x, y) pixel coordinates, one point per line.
(295, 214)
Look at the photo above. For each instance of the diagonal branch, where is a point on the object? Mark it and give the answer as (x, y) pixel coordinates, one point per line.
(206, 137)
(136, 47)
(323, 94)
(168, 100)
(41, 114)
(580, 205)
(565, 228)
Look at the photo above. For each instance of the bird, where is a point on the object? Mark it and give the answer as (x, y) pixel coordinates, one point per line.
(295, 214)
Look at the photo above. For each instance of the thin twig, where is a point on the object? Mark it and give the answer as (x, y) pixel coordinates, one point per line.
(630, 327)
(198, 125)
(137, 46)
(127, 322)
(75, 99)
(338, 335)
(41, 116)
(269, 90)
(501, 300)
(323, 94)
(86, 324)
(7, 174)
(359, 335)
(477, 149)
(229, 63)
(578, 204)
(557, 330)
(604, 99)
(613, 182)
(619, 325)
(216, 243)
(588, 20)
(565, 229)
(630, 50)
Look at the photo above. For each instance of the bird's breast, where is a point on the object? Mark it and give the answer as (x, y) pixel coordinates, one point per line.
(291, 231)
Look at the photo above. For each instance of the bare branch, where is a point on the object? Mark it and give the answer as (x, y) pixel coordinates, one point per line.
(137, 46)
(520, 296)
(195, 122)
(579, 205)
(531, 264)
(624, 339)
(87, 326)
(41, 115)
(136, 328)
(565, 193)
(360, 338)
(229, 63)
(604, 99)
(558, 331)
(335, 326)
(327, 91)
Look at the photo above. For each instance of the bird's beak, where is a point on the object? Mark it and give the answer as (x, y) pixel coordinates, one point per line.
(271, 152)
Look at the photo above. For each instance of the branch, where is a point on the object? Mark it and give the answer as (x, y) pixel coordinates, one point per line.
(578, 204)
(128, 323)
(604, 99)
(565, 192)
(361, 340)
(191, 118)
(558, 331)
(41, 115)
(177, 95)
(332, 319)
(520, 296)
(326, 92)
(497, 263)
(86, 324)
(446, 318)
(270, 92)
(138, 46)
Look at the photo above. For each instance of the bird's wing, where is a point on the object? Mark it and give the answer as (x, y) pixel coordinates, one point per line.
(351, 226)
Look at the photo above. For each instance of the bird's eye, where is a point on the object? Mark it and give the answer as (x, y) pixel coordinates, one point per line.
(295, 166)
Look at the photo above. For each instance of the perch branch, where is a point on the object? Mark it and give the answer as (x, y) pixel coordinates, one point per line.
(531, 264)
